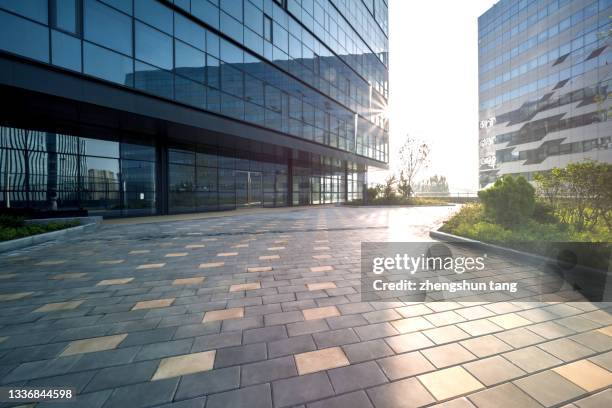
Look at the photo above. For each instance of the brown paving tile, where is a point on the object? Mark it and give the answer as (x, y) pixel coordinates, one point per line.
(394, 394)
(447, 355)
(112, 262)
(268, 257)
(153, 304)
(63, 276)
(549, 388)
(176, 254)
(223, 314)
(245, 286)
(189, 281)
(503, 396)
(93, 345)
(486, 346)
(566, 349)
(446, 334)
(325, 268)
(151, 266)
(411, 324)
(211, 265)
(119, 281)
(320, 312)
(52, 307)
(449, 383)
(139, 251)
(519, 338)
(493, 370)
(259, 269)
(227, 254)
(319, 360)
(532, 359)
(586, 375)
(184, 365)
(408, 342)
(509, 321)
(5, 297)
(321, 256)
(405, 365)
(320, 285)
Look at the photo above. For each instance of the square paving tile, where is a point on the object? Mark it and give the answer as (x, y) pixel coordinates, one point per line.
(493, 370)
(503, 396)
(321, 285)
(93, 344)
(185, 364)
(52, 307)
(446, 334)
(120, 281)
(223, 314)
(485, 346)
(509, 321)
(519, 338)
(449, 383)
(408, 393)
(227, 254)
(319, 360)
(549, 388)
(566, 349)
(405, 365)
(532, 359)
(320, 312)
(189, 281)
(152, 304)
(245, 286)
(450, 354)
(408, 342)
(411, 324)
(586, 375)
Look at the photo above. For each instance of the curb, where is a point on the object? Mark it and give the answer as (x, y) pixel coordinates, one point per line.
(89, 224)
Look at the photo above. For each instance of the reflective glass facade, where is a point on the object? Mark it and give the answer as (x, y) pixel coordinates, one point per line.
(314, 70)
(544, 81)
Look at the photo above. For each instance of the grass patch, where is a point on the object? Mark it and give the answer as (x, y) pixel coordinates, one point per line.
(15, 227)
(400, 201)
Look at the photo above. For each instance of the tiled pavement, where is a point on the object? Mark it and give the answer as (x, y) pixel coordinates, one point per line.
(263, 310)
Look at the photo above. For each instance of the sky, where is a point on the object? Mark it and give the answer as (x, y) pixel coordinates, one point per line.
(433, 75)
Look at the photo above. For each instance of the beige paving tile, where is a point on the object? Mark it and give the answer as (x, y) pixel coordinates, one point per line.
(549, 388)
(606, 330)
(278, 248)
(119, 281)
(601, 399)
(320, 360)
(519, 338)
(413, 310)
(93, 344)
(268, 257)
(408, 342)
(408, 393)
(446, 334)
(486, 346)
(509, 321)
(493, 370)
(503, 396)
(151, 266)
(532, 359)
(176, 254)
(5, 297)
(444, 318)
(223, 314)
(195, 246)
(321, 248)
(188, 281)
(447, 355)
(153, 304)
(595, 340)
(405, 365)
(586, 375)
(320, 312)
(112, 262)
(322, 256)
(320, 285)
(603, 360)
(51, 262)
(63, 276)
(475, 312)
(259, 269)
(211, 265)
(479, 327)
(411, 324)
(240, 246)
(245, 286)
(52, 307)
(566, 349)
(461, 402)
(325, 268)
(185, 364)
(139, 251)
(551, 330)
(449, 383)
(225, 254)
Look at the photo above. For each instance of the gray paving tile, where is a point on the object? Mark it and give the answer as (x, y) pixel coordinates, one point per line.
(503, 396)
(230, 356)
(208, 382)
(143, 394)
(268, 370)
(112, 377)
(357, 399)
(258, 396)
(298, 390)
(367, 350)
(292, 345)
(395, 394)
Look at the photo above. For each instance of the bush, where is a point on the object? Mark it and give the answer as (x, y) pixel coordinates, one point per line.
(543, 213)
(510, 201)
(10, 221)
(8, 233)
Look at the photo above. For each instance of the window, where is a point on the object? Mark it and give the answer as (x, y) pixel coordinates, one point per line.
(189, 32)
(34, 9)
(65, 51)
(153, 80)
(267, 28)
(153, 46)
(207, 12)
(65, 15)
(32, 41)
(108, 27)
(154, 13)
(233, 8)
(189, 62)
(106, 64)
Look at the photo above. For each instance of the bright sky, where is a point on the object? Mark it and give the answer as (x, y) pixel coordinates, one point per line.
(434, 84)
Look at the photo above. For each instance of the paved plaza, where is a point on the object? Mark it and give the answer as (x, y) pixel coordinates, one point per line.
(263, 310)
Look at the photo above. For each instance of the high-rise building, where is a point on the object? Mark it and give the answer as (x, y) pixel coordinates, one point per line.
(129, 107)
(544, 85)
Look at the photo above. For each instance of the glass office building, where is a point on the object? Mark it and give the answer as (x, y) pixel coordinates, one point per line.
(544, 84)
(126, 107)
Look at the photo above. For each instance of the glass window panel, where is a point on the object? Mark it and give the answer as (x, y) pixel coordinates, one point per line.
(253, 41)
(233, 8)
(154, 80)
(34, 9)
(65, 51)
(213, 71)
(138, 175)
(106, 64)
(123, 5)
(231, 27)
(231, 80)
(207, 157)
(137, 151)
(153, 46)
(154, 13)
(181, 156)
(100, 174)
(190, 62)
(97, 147)
(212, 44)
(32, 41)
(232, 106)
(253, 17)
(65, 15)
(189, 32)
(206, 178)
(189, 92)
(108, 27)
(206, 12)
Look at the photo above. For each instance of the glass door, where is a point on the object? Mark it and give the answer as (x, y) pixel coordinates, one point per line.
(249, 188)
(242, 188)
(255, 189)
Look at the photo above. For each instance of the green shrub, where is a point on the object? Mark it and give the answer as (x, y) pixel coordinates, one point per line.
(510, 201)
(9, 233)
(11, 221)
(543, 213)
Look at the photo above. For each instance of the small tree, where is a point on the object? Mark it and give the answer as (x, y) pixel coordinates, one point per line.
(413, 157)
(403, 187)
(374, 191)
(389, 188)
(510, 201)
(550, 185)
